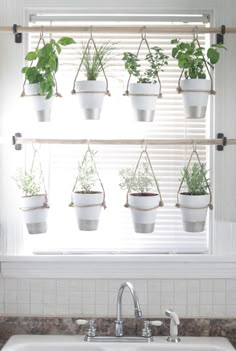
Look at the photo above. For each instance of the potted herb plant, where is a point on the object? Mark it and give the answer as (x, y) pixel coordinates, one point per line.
(195, 200)
(91, 92)
(195, 87)
(145, 91)
(33, 202)
(142, 202)
(40, 83)
(87, 201)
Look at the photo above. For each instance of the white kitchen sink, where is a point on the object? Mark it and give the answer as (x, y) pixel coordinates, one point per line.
(77, 343)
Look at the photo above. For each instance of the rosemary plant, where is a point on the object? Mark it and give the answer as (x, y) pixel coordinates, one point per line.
(195, 179)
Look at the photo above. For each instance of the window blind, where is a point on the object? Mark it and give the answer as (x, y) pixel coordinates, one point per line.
(115, 233)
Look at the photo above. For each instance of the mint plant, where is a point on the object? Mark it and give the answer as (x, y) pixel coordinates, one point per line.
(156, 60)
(191, 57)
(195, 179)
(140, 182)
(46, 65)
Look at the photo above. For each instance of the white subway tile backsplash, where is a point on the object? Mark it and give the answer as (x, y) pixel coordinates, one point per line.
(205, 298)
(206, 285)
(93, 298)
(219, 298)
(154, 285)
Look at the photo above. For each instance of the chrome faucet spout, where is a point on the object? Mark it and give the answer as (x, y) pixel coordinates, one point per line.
(137, 309)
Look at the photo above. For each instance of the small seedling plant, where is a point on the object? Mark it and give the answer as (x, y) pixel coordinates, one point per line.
(195, 179)
(94, 61)
(156, 60)
(45, 66)
(87, 174)
(140, 182)
(191, 57)
(29, 183)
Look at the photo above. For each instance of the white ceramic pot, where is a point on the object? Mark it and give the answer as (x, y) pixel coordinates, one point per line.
(91, 103)
(34, 217)
(144, 106)
(195, 103)
(194, 211)
(88, 217)
(144, 221)
(40, 104)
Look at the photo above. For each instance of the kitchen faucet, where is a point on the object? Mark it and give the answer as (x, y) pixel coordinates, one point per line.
(137, 309)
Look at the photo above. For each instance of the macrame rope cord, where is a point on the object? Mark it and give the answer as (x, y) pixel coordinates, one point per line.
(211, 91)
(103, 203)
(80, 65)
(127, 93)
(161, 204)
(206, 182)
(41, 39)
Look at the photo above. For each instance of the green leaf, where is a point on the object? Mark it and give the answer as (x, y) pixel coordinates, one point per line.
(66, 41)
(213, 55)
(31, 56)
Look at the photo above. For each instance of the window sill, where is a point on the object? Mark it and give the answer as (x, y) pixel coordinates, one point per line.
(119, 266)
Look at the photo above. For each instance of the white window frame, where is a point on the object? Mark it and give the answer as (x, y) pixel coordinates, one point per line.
(220, 264)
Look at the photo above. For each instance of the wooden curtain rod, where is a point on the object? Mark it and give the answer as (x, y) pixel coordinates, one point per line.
(221, 141)
(115, 29)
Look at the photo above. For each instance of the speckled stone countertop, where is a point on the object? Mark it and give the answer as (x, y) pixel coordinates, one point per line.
(105, 326)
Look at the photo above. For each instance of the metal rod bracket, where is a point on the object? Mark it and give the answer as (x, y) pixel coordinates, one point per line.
(18, 147)
(18, 36)
(224, 140)
(220, 36)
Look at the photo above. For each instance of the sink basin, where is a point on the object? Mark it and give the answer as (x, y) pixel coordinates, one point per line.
(77, 343)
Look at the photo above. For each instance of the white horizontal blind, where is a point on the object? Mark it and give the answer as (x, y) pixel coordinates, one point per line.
(116, 232)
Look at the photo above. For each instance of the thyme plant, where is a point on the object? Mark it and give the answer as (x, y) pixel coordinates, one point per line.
(140, 182)
(87, 175)
(28, 182)
(191, 57)
(156, 60)
(195, 179)
(46, 65)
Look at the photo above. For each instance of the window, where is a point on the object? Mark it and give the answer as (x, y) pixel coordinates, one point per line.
(115, 232)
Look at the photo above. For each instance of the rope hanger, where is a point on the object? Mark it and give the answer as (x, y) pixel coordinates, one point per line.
(91, 40)
(41, 176)
(144, 39)
(161, 203)
(211, 91)
(41, 40)
(194, 152)
(103, 203)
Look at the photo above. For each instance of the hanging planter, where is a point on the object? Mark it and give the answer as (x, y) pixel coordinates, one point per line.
(91, 92)
(195, 88)
(34, 203)
(40, 82)
(142, 203)
(196, 198)
(86, 201)
(145, 92)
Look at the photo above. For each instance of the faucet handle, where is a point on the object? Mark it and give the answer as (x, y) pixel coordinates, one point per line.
(91, 326)
(156, 323)
(147, 331)
(81, 321)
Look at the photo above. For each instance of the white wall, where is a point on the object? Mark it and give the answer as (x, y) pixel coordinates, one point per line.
(192, 298)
